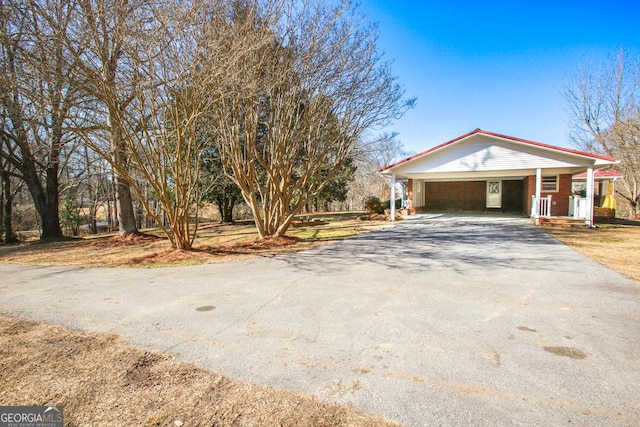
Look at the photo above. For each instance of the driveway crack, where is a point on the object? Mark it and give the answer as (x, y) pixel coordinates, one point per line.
(257, 310)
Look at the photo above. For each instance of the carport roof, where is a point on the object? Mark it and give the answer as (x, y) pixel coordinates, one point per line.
(593, 159)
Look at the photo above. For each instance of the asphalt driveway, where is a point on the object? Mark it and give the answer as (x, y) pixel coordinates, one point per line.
(436, 320)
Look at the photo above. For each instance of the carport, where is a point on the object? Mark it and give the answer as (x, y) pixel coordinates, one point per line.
(483, 171)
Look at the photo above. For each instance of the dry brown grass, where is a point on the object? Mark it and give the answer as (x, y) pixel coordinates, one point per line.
(616, 246)
(215, 243)
(100, 380)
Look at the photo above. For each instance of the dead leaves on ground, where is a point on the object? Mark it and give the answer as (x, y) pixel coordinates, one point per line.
(100, 380)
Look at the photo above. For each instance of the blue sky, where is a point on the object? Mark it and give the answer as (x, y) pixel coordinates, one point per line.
(499, 65)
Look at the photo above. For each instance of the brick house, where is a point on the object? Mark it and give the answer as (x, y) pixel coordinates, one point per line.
(483, 171)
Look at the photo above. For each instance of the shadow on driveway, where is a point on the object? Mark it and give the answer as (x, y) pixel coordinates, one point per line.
(427, 242)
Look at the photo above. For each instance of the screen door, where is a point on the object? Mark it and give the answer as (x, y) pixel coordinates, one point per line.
(494, 194)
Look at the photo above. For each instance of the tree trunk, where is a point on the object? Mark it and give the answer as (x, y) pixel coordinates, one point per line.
(225, 206)
(9, 236)
(2, 175)
(45, 199)
(228, 215)
(93, 218)
(124, 200)
(48, 211)
(50, 216)
(109, 215)
(126, 213)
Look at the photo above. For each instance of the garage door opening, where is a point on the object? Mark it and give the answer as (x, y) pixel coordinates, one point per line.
(475, 196)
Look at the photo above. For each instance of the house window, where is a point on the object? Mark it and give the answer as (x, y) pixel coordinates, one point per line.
(550, 184)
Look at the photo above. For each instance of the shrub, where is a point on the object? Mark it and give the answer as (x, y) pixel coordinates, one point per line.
(374, 205)
(387, 204)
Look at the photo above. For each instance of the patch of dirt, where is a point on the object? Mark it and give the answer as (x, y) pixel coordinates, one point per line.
(570, 352)
(126, 240)
(169, 257)
(379, 217)
(100, 380)
(214, 225)
(309, 223)
(271, 242)
(257, 247)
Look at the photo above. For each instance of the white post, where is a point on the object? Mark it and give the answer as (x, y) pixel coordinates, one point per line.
(589, 213)
(392, 203)
(536, 203)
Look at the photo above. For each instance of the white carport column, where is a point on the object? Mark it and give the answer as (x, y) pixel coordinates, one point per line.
(535, 206)
(589, 220)
(392, 203)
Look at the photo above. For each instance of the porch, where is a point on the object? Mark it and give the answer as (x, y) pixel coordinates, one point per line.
(600, 206)
(603, 211)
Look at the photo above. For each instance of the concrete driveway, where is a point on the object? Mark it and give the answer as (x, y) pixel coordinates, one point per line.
(436, 320)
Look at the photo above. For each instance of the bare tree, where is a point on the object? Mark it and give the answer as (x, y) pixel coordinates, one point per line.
(383, 150)
(624, 138)
(298, 105)
(132, 68)
(107, 40)
(373, 155)
(604, 103)
(163, 124)
(38, 98)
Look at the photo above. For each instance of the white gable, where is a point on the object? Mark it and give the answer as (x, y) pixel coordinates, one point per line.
(482, 153)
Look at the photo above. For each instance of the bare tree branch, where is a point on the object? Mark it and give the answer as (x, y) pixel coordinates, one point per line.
(604, 104)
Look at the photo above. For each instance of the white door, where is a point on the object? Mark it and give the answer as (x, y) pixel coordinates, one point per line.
(494, 194)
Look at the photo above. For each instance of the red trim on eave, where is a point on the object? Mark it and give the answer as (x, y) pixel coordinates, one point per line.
(498, 135)
(552, 147)
(602, 173)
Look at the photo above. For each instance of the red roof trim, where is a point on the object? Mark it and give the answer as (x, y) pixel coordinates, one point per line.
(602, 173)
(498, 135)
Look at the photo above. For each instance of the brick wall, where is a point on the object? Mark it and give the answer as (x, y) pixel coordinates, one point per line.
(456, 196)
(529, 190)
(559, 199)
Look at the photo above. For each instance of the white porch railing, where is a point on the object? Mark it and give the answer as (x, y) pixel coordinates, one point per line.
(578, 207)
(541, 207)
